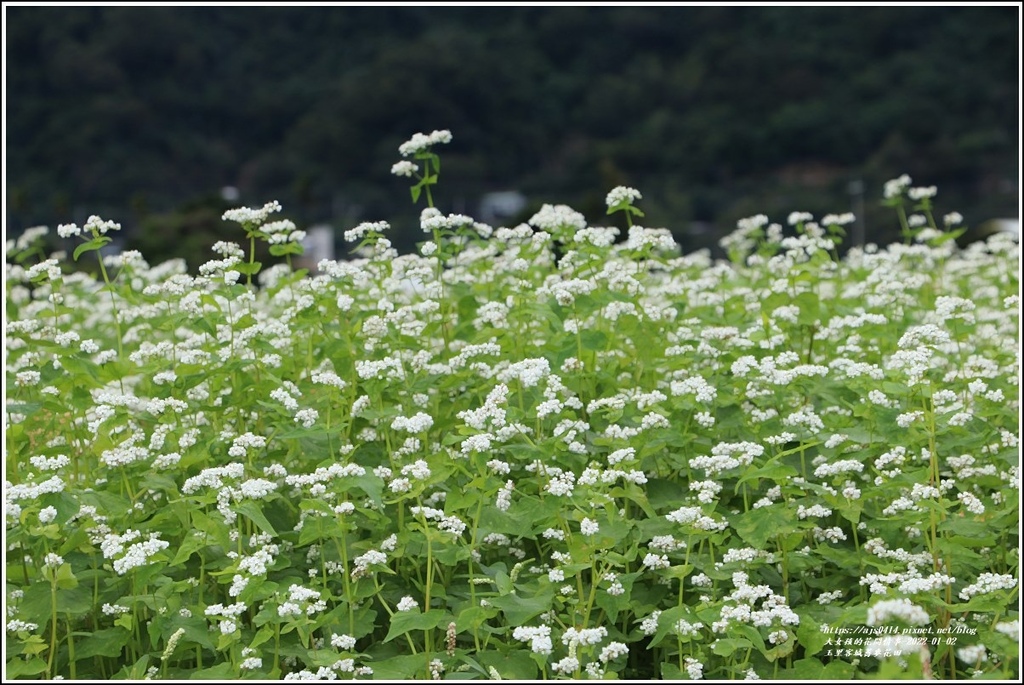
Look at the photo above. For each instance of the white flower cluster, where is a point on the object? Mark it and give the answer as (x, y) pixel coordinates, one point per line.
(799, 218)
(895, 187)
(213, 477)
(922, 192)
(419, 423)
(900, 609)
(325, 474)
(389, 368)
(813, 511)
(695, 517)
(29, 236)
(658, 239)
(725, 456)
(745, 596)
(227, 615)
(243, 443)
(539, 638)
(245, 215)
(562, 483)
(620, 195)
(301, 601)
(613, 650)
(447, 524)
(421, 141)
(838, 219)
(529, 372)
(403, 168)
(135, 555)
(504, 498)
(47, 266)
(552, 217)
(359, 232)
(694, 668)
(407, 603)
(573, 637)
(283, 231)
(597, 236)
(838, 467)
(988, 582)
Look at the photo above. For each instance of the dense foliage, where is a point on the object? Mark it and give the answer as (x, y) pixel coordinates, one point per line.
(716, 112)
(520, 453)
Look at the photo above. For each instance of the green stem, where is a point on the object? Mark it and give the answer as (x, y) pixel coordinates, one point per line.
(53, 627)
(252, 258)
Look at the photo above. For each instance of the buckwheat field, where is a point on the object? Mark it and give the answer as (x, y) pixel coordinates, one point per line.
(546, 451)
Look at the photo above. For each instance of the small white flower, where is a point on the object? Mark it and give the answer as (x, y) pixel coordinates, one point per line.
(47, 515)
(622, 194)
(407, 603)
(404, 168)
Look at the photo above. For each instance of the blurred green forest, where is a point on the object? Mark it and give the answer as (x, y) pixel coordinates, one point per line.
(142, 114)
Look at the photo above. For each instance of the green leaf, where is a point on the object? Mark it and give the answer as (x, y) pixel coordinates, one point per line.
(282, 249)
(774, 471)
(664, 494)
(667, 621)
(221, 671)
(517, 665)
(810, 635)
(247, 269)
(518, 610)
(251, 510)
(404, 667)
(757, 526)
(20, 667)
(106, 642)
(404, 621)
(88, 246)
(670, 671)
(726, 646)
(194, 541)
(805, 669)
(65, 578)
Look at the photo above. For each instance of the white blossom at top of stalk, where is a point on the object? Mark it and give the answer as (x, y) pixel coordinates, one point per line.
(613, 650)
(838, 219)
(437, 222)
(621, 194)
(359, 232)
(529, 371)
(68, 230)
(900, 609)
(799, 218)
(583, 636)
(29, 236)
(245, 215)
(407, 603)
(97, 225)
(539, 638)
(896, 186)
(551, 217)
(953, 219)
(416, 424)
(922, 192)
(135, 555)
(422, 141)
(988, 582)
